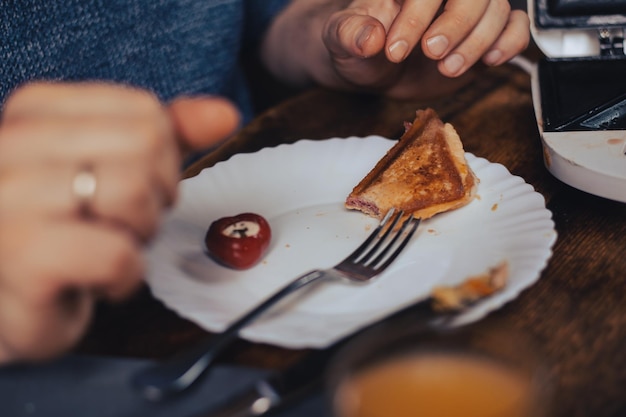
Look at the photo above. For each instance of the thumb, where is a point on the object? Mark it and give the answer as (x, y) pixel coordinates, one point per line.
(348, 34)
(354, 42)
(202, 122)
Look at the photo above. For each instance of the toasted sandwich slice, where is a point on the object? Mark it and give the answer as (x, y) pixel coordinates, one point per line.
(424, 173)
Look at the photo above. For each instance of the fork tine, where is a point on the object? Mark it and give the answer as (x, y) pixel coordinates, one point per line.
(386, 249)
(400, 246)
(381, 239)
(359, 251)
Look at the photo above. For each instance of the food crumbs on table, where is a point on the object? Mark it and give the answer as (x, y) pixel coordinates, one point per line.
(494, 207)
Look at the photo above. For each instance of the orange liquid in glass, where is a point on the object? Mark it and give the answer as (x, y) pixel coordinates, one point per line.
(436, 386)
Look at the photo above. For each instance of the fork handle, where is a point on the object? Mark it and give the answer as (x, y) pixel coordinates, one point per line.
(180, 372)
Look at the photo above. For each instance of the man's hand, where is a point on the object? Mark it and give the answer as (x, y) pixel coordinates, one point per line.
(58, 251)
(410, 48)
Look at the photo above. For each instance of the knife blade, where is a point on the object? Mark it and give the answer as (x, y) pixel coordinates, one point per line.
(283, 388)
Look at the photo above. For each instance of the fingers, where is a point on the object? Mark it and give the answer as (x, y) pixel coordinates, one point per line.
(31, 333)
(123, 196)
(87, 123)
(54, 261)
(134, 159)
(409, 27)
(105, 260)
(460, 34)
(202, 122)
(513, 40)
(52, 272)
(133, 156)
(455, 24)
(42, 258)
(466, 31)
(64, 99)
(366, 38)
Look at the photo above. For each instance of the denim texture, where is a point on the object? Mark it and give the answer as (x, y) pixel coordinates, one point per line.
(171, 47)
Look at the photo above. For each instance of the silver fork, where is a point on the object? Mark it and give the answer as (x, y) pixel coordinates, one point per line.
(375, 254)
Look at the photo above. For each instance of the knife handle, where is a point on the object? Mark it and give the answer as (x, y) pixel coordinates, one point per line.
(176, 375)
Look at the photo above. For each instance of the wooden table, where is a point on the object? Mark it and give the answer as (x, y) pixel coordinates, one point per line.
(576, 311)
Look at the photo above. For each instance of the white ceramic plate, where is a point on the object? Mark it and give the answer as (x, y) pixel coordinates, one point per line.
(300, 189)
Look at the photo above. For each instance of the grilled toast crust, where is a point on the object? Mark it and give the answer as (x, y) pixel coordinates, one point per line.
(424, 173)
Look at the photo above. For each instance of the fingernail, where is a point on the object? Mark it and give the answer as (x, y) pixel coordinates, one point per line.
(398, 50)
(363, 36)
(437, 45)
(492, 57)
(453, 63)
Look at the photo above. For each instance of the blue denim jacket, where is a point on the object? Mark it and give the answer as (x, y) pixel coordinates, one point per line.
(171, 47)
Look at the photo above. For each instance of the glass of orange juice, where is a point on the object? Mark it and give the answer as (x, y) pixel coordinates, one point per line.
(477, 371)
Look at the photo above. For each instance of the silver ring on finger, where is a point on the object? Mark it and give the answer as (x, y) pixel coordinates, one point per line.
(84, 186)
